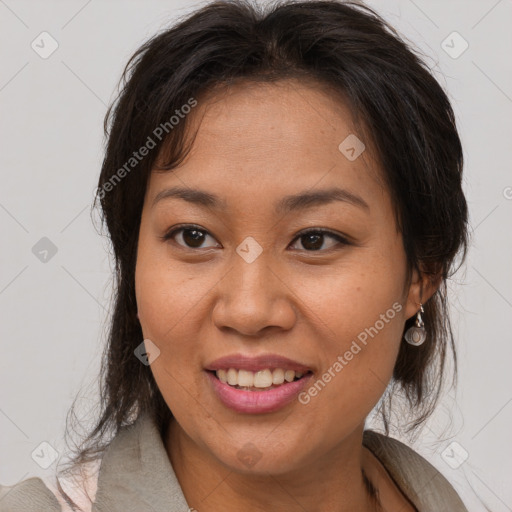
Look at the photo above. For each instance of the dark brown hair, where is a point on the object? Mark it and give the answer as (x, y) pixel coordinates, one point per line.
(404, 113)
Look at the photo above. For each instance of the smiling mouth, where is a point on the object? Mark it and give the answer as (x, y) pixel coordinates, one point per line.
(262, 380)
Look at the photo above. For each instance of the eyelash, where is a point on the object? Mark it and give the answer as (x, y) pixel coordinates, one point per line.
(340, 239)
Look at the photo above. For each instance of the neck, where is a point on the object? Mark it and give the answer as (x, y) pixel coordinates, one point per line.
(373, 492)
(335, 481)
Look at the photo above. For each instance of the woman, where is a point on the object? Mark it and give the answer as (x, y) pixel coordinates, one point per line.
(282, 190)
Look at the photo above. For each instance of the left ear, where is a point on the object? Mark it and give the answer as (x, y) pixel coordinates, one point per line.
(423, 286)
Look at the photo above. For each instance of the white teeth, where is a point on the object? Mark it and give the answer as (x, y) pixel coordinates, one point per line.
(232, 377)
(289, 375)
(277, 376)
(245, 378)
(260, 379)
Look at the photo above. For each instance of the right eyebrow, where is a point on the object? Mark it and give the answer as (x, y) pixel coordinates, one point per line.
(199, 197)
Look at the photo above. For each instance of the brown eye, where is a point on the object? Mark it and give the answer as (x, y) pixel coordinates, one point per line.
(189, 237)
(193, 237)
(314, 240)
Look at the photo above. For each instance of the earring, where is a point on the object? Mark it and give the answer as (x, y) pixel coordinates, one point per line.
(417, 335)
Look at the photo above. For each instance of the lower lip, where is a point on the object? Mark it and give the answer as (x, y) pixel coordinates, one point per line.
(257, 402)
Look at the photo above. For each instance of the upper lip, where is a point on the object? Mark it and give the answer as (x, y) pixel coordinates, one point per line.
(256, 363)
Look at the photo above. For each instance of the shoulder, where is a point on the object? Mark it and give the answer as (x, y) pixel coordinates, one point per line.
(30, 495)
(53, 494)
(420, 481)
(110, 475)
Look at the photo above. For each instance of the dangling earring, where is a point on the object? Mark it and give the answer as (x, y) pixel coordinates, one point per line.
(417, 335)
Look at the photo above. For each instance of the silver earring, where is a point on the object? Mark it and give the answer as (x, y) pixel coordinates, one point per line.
(417, 335)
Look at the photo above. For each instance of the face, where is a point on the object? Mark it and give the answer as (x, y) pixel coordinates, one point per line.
(320, 282)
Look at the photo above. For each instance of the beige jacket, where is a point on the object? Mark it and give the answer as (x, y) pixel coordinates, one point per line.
(135, 475)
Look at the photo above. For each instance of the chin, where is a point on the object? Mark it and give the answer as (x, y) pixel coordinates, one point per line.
(260, 458)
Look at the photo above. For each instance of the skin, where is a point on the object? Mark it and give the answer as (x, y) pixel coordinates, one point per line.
(256, 144)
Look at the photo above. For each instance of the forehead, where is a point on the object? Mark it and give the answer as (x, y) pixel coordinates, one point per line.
(273, 138)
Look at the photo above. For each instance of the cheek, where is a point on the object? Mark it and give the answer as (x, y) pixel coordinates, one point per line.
(166, 292)
(361, 319)
(349, 303)
(165, 311)
(162, 307)
(172, 302)
(357, 367)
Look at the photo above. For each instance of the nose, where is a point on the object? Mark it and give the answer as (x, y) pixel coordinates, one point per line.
(254, 299)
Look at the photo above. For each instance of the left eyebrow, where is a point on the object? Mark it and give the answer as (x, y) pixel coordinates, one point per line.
(308, 199)
(300, 201)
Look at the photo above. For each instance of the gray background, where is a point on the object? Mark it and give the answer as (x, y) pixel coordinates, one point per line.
(53, 312)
